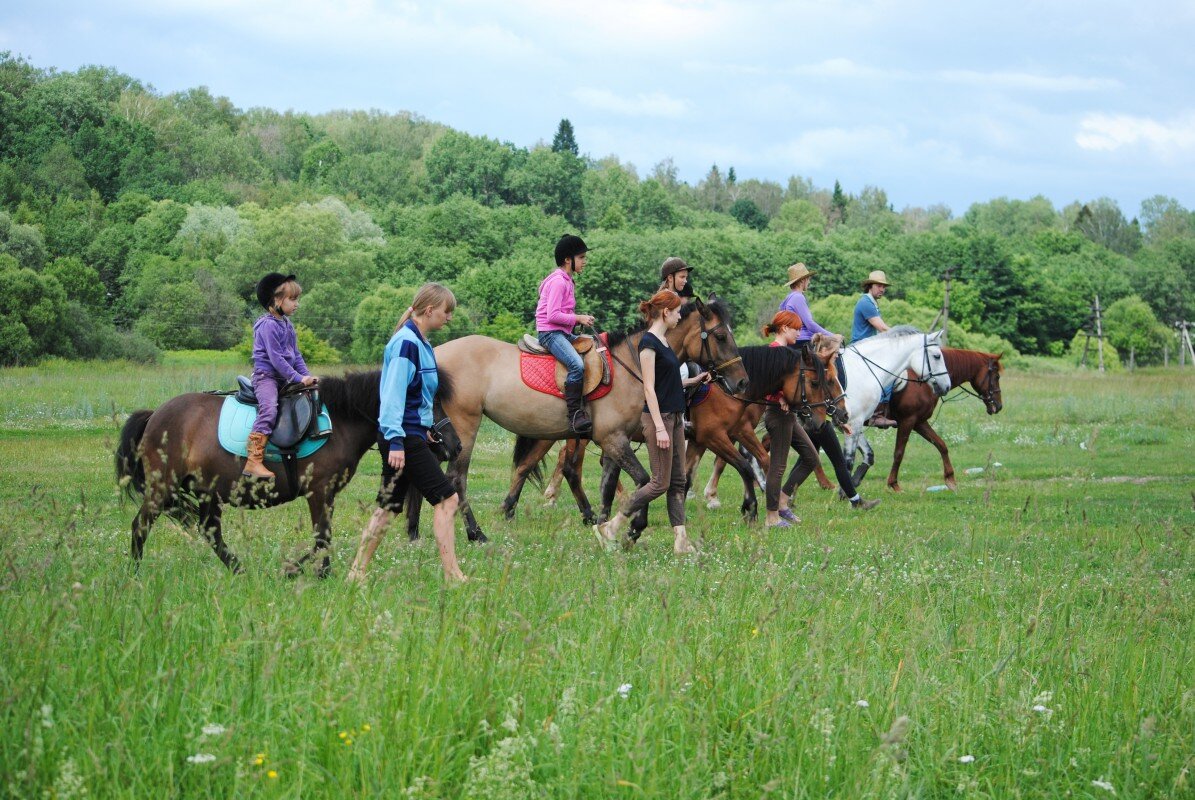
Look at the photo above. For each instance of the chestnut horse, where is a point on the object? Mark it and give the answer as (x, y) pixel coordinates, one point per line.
(810, 384)
(488, 383)
(172, 457)
(913, 407)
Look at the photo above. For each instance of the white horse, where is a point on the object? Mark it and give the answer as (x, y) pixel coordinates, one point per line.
(878, 363)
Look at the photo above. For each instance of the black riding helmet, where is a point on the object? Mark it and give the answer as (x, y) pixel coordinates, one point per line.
(268, 285)
(569, 246)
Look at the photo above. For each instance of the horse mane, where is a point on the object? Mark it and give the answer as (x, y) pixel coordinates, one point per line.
(766, 368)
(899, 330)
(968, 362)
(716, 304)
(356, 394)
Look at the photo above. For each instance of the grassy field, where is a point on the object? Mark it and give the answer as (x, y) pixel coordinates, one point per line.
(1030, 635)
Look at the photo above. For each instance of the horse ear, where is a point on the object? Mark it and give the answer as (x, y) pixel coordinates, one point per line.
(700, 306)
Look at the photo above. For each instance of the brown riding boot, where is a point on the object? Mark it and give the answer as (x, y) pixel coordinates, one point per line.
(254, 468)
(880, 419)
(578, 421)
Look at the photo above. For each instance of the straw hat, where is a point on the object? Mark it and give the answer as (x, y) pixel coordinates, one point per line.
(796, 272)
(876, 276)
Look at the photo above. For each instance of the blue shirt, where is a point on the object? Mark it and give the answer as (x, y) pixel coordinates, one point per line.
(865, 309)
(409, 383)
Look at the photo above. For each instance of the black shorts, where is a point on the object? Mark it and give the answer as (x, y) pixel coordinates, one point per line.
(421, 471)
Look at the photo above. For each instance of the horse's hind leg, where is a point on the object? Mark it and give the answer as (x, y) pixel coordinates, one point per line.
(142, 522)
(711, 486)
(869, 458)
(210, 527)
(414, 507)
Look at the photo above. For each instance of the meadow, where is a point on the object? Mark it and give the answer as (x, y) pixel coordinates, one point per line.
(1030, 635)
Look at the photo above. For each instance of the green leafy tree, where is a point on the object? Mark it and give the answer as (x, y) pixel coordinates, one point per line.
(838, 206)
(475, 167)
(653, 208)
(505, 327)
(23, 242)
(801, 217)
(375, 321)
(81, 283)
(1131, 327)
(32, 307)
(1102, 222)
(328, 309)
(318, 162)
(747, 213)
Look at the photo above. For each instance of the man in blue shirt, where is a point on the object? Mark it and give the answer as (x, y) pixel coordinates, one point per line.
(867, 322)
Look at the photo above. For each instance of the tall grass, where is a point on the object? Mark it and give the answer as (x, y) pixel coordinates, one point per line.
(1029, 635)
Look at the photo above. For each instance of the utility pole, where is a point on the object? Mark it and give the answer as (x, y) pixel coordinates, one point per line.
(1184, 342)
(1094, 321)
(944, 312)
(1099, 331)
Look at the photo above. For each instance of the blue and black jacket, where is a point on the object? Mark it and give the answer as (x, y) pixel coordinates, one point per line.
(408, 388)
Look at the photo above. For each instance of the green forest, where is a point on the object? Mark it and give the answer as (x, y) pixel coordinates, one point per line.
(133, 222)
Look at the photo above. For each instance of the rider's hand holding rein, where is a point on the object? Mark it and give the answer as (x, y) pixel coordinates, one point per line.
(310, 380)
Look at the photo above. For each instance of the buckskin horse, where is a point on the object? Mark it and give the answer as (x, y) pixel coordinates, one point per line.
(810, 385)
(487, 383)
(171, 456)
(913, 407)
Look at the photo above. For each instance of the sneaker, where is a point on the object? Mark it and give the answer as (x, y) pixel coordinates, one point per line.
(783, 523)
(865, 505)
(787, 514)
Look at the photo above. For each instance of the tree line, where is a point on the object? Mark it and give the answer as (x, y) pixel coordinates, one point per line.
(133, 221)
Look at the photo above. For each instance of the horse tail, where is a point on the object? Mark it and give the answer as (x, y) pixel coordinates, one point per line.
(130, 469)
(523, 447)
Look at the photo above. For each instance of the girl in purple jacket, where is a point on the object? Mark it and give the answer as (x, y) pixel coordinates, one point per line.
(276, 362)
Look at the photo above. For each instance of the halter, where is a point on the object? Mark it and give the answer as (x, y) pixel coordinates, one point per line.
(988, 396)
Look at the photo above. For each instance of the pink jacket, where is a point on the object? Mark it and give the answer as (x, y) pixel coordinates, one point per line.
(556, 310)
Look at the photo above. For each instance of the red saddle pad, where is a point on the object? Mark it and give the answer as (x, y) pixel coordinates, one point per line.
(539, 373)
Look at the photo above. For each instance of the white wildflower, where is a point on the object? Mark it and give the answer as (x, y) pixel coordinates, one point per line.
(966, 759)
(862, 704)
(68, 783)
(213, 729)
(201, 758)
(624, 691)
(1105, 785)
(1040, 709)
(47, 716)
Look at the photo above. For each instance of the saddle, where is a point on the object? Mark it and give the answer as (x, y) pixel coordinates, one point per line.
(541, 371)
(299, 414)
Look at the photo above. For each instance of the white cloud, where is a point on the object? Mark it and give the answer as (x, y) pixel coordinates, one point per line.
(1029, 81)
(839, 68)
(1108, 132)
(644, 104)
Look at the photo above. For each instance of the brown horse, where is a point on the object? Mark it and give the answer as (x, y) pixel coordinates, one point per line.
(488, 383)
(810, 384)
(913, 407)
(172, 457)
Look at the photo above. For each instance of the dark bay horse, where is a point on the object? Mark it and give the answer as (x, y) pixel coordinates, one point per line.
(172, 458)
(913, 407)
(809, 384)
(488, 383)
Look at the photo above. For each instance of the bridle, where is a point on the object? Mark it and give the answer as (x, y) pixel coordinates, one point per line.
(804, 409)
(707, 354)
(988, 395)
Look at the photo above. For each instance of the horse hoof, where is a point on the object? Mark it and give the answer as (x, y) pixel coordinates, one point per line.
(952, 485)
(713, 503)
(895, 487)
(478, 537)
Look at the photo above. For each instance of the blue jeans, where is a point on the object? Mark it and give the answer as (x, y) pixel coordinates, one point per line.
(886, 394)
(560, 344)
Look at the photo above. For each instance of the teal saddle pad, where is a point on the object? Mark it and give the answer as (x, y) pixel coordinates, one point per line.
(236, 421)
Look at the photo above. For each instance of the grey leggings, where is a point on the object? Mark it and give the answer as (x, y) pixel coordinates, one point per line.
(667, 470)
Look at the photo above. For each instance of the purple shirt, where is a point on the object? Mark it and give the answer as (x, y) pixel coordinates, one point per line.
(276, 350)
(556, 310)
(795, 302)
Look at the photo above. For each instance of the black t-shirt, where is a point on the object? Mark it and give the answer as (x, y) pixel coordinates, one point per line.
(669, 391)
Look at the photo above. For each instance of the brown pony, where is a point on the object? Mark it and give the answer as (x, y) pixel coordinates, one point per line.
(172, 458)
(809, 383)
(488, 383)
(913, 407)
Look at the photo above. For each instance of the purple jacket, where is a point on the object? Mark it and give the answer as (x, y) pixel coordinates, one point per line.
(276, 350)
(795, 302)
(556, 310)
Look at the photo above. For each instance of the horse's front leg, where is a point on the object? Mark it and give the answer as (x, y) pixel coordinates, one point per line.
(898, 452)
(711, 486)
(624, 457)
(607, 486)
(869, 459)
(466, 426)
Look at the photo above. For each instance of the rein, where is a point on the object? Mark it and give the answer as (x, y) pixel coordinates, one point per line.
(707, 355)
(925, 357)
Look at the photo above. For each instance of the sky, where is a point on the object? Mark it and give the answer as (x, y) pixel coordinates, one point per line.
(934, 102)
